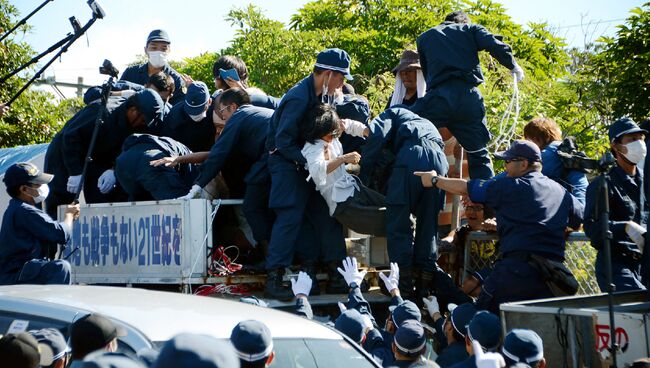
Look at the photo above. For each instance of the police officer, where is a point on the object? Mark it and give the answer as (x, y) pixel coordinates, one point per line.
(523, 346)
(253, 344)
(628, 211)
(485, 329)
(188, 122)
(546, 134)
(134, 115)
(353, 107)
(409, 346)
(291, 194)
(532, 212)
(29, 237)
(242, 142)
(142, 181)
(450, 63)
(157, 48)
(416, 145)
(454, 328)
(257, 96)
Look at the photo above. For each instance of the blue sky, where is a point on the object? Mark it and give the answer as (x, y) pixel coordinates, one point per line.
(198, 26)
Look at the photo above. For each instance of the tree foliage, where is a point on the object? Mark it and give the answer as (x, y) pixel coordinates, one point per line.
(34, 117)
(621, 66)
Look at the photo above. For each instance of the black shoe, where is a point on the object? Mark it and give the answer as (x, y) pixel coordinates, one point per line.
(335, 282)
(274, 288)
(311, 270)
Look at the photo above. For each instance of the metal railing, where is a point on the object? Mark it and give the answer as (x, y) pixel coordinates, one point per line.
(580, 257)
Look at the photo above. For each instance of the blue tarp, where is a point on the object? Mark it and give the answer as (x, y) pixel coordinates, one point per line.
(9, 156)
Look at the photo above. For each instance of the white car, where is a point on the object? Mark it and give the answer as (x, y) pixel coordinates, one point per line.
(153, 317)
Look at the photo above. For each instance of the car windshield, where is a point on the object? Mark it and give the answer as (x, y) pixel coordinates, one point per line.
(313, 353)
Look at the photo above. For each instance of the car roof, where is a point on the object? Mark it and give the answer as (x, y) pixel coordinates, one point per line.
(162, 315)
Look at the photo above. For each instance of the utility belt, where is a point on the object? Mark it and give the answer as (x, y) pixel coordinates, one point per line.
(556, 275)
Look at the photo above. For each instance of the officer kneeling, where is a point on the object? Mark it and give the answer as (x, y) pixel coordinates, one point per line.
(29, 236)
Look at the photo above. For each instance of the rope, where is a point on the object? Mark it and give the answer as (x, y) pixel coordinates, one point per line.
(205, 240)
(512, 112)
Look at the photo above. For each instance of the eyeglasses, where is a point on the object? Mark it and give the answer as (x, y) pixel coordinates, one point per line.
(513, 160)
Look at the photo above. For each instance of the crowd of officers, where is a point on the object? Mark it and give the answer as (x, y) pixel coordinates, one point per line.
(312, 162)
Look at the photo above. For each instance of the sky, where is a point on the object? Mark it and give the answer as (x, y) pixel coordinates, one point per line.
(197, 26)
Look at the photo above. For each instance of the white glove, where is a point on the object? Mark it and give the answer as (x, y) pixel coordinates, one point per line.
(392, 281)
(353, 127)
(74, 182)
(432, 305)
(350, 271)
(342, 307)
(487, 360)
(127, 93)
(301, 285)
(195, 192)
(106, 181)
(517, 73)
(636, 232)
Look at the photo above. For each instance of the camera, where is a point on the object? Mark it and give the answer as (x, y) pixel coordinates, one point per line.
(572, 159)
(107, 68)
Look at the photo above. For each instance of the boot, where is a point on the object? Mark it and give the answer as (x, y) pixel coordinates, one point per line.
(274, 288)
(335, 282)
(406, 283)
(310, 268)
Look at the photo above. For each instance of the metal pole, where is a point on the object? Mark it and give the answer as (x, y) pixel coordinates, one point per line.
(24, 20)
(604, 217)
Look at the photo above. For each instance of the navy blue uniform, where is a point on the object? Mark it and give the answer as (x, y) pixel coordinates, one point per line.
(76, 138)
(626, 203)
(266, 101)
(243, 141)
(532, 213)
(66, 154)
(451, 67)
(417, 146)
(28, 235)
(572, 180)
(198, 136)
(143, 182)
(293, 198)
(374, 344)
(452, 354)
(139, 74)
(56, 165)
(467, 363)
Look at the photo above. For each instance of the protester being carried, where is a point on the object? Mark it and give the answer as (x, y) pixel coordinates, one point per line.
(353, 204)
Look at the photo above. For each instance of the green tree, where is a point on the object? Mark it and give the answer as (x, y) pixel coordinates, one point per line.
(34, 117)
(621, 68)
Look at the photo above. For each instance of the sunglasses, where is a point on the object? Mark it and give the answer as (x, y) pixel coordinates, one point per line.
(513, 160)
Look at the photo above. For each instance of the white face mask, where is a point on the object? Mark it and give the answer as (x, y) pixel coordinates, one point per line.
(636, 151)
(157, 59)
(199, 117)
(43, 192)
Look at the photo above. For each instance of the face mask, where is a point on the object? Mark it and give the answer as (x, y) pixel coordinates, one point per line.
(199, 117)
(43, 192)
(157, 59)
(324, 97)
(636, 151)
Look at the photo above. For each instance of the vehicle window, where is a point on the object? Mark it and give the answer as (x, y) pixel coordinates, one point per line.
(314, 353)
(29, 322)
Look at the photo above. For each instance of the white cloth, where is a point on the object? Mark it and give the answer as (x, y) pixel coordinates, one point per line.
(336, 186)
(400, 90)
